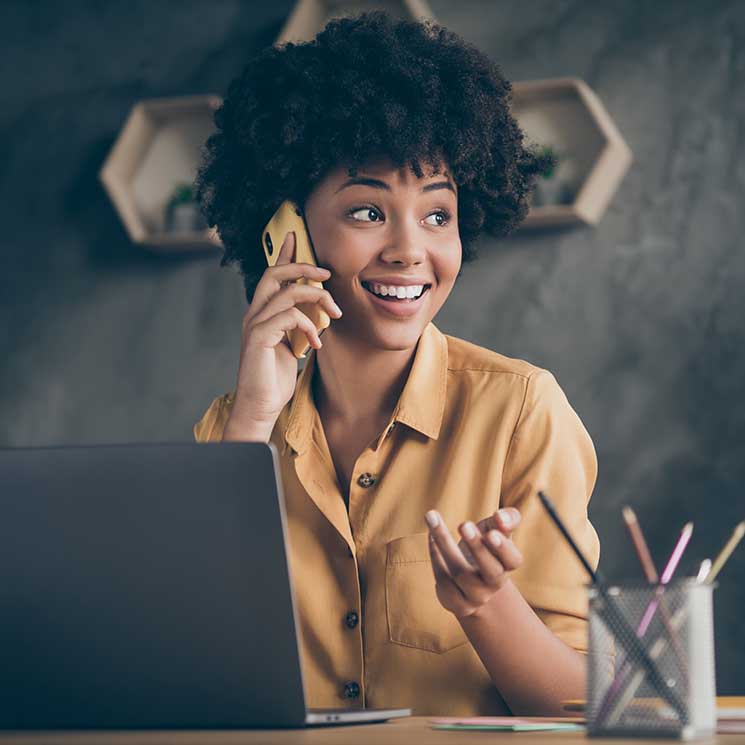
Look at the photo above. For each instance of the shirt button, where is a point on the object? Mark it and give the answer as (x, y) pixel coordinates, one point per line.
(366, 479)
(351, 689)
(351, 619)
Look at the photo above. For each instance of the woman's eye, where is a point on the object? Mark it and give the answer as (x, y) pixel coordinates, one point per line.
(369, 214)
(441, 218)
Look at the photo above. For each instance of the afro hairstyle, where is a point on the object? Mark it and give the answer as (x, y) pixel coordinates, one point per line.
(366, 87)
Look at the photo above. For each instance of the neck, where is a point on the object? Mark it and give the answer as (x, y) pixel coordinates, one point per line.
(356, 384)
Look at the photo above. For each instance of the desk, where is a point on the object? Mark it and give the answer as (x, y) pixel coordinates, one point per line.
(410, 731)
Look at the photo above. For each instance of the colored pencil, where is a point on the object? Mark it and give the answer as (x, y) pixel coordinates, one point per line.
(614, 617)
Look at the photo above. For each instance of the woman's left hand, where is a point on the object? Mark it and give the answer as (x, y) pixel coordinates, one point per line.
(468, 574)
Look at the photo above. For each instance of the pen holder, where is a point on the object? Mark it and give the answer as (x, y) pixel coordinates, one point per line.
(651, 661)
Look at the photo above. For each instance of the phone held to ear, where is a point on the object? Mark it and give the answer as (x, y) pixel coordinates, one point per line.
(289, 218)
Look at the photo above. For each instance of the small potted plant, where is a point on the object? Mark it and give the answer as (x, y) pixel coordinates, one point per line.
(182, 211)
(551, 189)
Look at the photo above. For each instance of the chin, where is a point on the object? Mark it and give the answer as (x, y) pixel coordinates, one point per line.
(393, 339)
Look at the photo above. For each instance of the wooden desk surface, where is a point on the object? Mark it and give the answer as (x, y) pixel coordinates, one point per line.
(410, 731)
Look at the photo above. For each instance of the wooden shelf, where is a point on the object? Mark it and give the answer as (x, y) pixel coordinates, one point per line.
(566, 114)
(308, 17)
(159, 147)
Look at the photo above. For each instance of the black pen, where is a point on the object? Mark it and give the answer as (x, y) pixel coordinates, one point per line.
(628, 639)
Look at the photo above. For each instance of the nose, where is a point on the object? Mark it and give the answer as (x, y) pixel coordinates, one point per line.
(403, 244)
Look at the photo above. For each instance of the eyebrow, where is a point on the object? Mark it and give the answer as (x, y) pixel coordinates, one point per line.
(378, 184)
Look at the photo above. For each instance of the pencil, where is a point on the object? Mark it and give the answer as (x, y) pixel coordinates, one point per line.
(645, 559)
(611, 699)
(667, 573)
(595, 576)
(674, 560)
(626, 636)
(640, 545)
(703, 570)
(726, 552)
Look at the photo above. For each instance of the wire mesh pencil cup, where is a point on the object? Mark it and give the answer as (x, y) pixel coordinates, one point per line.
(651, 660)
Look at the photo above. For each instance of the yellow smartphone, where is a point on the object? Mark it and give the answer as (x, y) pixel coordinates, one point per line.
(289, 218)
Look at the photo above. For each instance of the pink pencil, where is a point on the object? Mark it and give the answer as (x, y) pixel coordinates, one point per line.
(667, 574)
(670, 567)
(650, 571)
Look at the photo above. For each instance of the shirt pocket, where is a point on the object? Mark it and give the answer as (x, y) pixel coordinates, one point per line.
(414, 614)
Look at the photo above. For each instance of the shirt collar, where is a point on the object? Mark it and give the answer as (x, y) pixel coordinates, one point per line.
(420, 406)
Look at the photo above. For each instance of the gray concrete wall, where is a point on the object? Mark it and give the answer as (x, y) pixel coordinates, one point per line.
(640, 318)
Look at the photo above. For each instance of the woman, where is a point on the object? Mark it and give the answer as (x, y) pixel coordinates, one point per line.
(397, 141)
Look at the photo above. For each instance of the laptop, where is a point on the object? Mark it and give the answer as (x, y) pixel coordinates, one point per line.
(147, 587)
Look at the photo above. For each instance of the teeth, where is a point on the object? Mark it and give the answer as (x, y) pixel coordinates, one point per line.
(399, 291)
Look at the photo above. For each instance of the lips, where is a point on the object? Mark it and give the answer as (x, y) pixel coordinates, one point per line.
(401, 308)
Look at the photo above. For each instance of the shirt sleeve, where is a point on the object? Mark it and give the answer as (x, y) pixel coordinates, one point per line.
(552, 451)
(210, 427)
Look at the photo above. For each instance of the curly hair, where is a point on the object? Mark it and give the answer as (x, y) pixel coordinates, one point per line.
(368, 86)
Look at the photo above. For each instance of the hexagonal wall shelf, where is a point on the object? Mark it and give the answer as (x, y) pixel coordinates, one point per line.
(566, 115)
(308, 17)
(150, 167)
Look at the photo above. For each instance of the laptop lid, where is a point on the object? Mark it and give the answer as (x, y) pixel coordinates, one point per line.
(146, 586)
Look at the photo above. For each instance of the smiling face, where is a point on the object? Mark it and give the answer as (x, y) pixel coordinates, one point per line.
(381, 231)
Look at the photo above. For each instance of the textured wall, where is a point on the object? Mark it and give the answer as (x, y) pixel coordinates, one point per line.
(640, 318)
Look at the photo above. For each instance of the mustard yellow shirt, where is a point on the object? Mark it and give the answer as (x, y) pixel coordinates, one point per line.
(473, 430)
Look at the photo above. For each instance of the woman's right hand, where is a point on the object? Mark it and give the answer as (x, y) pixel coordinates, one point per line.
(267, 370)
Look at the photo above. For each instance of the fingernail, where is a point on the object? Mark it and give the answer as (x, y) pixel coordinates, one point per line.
(432, 519)
(469, 531)
(337, 308)
(324, 270)
(494, 538)
(505, 517)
